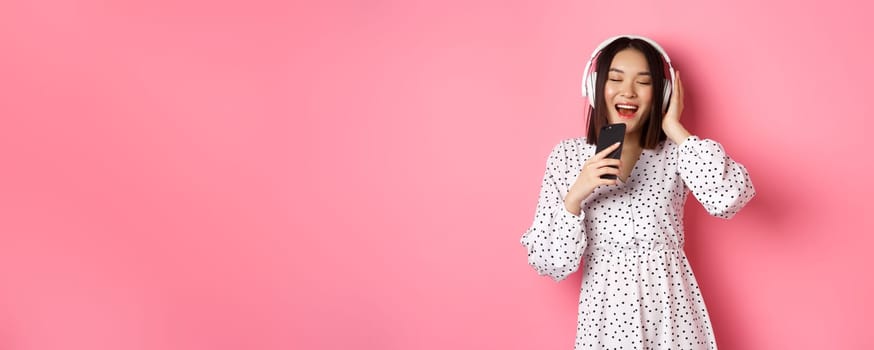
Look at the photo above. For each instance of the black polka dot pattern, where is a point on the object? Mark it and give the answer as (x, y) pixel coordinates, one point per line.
(638, 289)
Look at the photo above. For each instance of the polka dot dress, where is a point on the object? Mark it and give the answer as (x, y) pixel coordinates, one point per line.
(638, 290)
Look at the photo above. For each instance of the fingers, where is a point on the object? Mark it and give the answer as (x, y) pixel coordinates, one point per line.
(601, 182)
(605, 162)
(607, 170)
(608, 182)
(675, 107)
(606, 151)
(598, 166)
(604, 167)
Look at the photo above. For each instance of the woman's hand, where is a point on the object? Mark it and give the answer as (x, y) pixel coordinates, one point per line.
(590, 178)
(671, 120)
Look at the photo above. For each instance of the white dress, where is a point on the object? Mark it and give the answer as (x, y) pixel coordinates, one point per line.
(638, 290)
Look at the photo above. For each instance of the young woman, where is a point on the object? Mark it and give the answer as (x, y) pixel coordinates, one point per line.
(638, 290)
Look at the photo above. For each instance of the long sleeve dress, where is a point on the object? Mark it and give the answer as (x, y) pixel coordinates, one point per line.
(638, 290)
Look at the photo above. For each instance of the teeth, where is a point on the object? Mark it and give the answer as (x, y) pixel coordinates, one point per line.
(626, 106)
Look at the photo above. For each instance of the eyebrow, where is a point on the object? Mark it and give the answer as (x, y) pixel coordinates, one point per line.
(623, 72)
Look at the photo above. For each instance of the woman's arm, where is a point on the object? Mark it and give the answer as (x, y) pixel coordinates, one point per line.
(556, 239)
(722, 185)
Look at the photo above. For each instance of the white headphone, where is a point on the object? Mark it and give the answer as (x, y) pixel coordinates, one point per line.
(589, 76)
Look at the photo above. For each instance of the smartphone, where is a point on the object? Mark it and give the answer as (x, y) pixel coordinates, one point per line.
(610, 134)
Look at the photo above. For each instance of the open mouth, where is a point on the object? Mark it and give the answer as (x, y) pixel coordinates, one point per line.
(626, 110)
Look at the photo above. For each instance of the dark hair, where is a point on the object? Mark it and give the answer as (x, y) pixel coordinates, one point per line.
(652, 133)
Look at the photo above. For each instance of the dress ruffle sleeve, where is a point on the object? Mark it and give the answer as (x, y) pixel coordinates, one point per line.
(719, 183)
(556, 239)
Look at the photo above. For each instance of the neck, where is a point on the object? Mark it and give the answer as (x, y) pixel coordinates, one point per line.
(632, 141)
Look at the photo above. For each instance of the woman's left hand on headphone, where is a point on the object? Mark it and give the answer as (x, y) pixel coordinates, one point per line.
(671, 121)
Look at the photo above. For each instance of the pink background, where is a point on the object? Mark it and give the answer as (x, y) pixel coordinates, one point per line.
(357, 175)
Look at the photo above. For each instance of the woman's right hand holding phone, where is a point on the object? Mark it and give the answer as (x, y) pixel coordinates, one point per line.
(590, 178)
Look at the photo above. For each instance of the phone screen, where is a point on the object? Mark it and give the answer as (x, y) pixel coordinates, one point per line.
(610, 134)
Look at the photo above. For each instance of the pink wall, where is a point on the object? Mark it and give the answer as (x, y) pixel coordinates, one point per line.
(209, 175)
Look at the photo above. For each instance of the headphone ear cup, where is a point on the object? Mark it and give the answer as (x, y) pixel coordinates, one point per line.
(667, 95)
(590, 86)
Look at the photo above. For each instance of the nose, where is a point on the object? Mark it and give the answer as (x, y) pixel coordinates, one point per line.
(628, 89)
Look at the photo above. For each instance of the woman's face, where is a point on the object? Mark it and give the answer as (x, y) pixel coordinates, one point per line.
(628, 90)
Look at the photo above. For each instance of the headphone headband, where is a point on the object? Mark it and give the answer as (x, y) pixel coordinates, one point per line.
(589, 76)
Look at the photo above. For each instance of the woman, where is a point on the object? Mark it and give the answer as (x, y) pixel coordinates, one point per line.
(638, 290)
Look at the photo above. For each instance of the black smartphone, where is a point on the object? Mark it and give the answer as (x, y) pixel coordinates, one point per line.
(610, 134)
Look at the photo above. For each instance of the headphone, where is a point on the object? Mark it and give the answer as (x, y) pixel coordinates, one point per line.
(589, 76)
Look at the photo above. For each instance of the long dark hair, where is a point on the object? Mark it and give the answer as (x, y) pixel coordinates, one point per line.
(652, 133)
